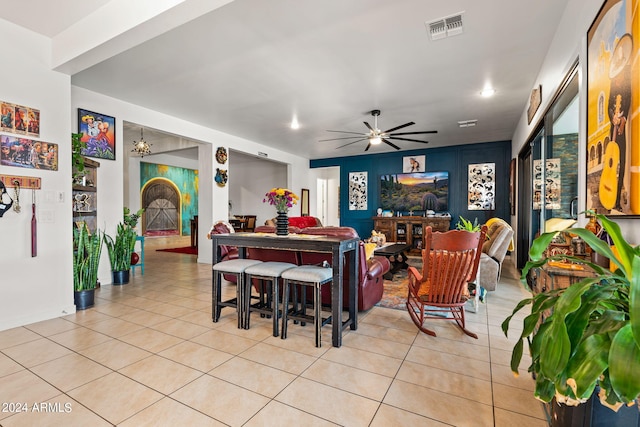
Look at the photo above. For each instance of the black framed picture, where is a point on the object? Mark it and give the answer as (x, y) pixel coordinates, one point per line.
(99, 133)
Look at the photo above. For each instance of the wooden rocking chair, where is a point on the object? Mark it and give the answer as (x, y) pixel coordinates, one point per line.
(449, 262)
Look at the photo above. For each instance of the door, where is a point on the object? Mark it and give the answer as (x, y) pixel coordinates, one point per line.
(548, 169)
(162, 203)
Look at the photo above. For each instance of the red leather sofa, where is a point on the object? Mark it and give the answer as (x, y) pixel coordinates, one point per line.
(370, 271)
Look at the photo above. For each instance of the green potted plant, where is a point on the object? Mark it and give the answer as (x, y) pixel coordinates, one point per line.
(465, 224)
(120, 250)
(86, 259)
(585, 339)
(77, 159)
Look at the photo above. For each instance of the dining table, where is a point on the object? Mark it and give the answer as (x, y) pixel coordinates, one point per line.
(339, 247)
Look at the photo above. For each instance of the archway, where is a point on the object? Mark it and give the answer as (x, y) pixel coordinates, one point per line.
(161, 200)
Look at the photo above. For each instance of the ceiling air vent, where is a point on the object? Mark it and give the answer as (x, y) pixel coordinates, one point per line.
(445, 27)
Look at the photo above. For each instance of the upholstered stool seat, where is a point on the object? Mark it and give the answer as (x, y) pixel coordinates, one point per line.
(305, 275)
(270, 272)
(234, 267)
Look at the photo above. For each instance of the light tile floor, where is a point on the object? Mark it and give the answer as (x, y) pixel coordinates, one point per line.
(149, 354)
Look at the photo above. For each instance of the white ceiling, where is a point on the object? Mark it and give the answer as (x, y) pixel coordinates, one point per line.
(249, 66)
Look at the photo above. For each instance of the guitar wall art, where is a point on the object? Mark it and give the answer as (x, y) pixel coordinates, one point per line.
(613, 146)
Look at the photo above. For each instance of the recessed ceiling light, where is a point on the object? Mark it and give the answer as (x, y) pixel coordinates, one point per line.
(294, 123)
(488, 92)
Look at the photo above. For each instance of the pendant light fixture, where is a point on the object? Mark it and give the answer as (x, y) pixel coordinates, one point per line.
(141, 147)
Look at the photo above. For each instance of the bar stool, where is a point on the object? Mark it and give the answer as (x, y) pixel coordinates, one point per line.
(268, 273)
(237, 268)
(305, 275)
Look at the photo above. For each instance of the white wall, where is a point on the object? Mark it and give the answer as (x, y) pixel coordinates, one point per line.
(569, 44)
(249, 180)
(327, 195)
(213, 199)
(34, 289)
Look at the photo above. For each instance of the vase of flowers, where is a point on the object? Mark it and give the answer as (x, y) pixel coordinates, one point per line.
(282, 199)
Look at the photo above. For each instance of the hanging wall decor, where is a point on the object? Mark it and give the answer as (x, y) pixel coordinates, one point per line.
(19, 119)
(613, 152)
(27, 153)
(411, 164)
(357, 191)
(482, 187)
(552, 184)
(221, 155)
(221, 177)
(99, 132)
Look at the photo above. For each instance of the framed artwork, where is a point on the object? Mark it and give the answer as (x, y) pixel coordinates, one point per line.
(27, 153)
(19, 119)
(358, 182)
(482, 187)
(553, 184)
(613, 148)
(512, 186)
(304, 202)
(414, 164)
(99, 132)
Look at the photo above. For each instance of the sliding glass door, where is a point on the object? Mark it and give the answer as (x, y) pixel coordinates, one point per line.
(548, 170)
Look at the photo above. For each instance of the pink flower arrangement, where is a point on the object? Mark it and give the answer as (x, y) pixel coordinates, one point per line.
(281, 198)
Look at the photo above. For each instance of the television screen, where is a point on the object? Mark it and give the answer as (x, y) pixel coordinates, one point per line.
(405, 192)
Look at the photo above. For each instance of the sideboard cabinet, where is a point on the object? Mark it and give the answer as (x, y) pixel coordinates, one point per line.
(409, 229)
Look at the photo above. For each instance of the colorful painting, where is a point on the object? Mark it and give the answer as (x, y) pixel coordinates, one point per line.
(19, 119)
(613, 148)
(358, 191)
(186, 181)
(99, 132)
(27, 153)
(482, 187)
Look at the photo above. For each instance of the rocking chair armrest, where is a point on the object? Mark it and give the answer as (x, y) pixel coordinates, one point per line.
(412, 271)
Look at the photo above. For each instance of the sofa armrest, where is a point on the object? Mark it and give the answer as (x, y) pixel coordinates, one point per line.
(377, 266)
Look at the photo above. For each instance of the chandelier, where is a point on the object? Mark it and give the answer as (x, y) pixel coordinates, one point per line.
(141, 147)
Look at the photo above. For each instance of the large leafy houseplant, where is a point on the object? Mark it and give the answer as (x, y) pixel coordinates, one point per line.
(588, 334)
(120, 248)
(86, 258)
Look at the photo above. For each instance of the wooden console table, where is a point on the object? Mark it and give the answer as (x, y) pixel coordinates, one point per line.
(547, 277)
(409, 229)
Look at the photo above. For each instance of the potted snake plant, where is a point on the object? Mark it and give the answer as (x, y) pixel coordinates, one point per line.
(119, 249)
(86, 259)
(584, 340)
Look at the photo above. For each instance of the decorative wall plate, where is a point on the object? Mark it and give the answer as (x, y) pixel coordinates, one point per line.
(221, 155)
(221, 177)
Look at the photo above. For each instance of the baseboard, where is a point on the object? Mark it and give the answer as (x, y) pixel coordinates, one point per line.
(37, 317)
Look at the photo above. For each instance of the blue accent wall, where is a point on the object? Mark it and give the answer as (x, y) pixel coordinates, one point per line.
(454, 159)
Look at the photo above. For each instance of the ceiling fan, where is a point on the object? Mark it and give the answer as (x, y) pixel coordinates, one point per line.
(376, 136)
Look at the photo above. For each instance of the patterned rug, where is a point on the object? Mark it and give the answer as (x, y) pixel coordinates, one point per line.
(395, 291)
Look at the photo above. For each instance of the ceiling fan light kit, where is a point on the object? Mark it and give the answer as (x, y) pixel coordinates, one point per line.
(375, 136)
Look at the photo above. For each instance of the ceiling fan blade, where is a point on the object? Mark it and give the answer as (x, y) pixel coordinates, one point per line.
(386, 141)
(415, 133)
(408, 139)
(399, 127)
(336, 139)
(369, 126)
(368, 146)
(344, 131)
(353, 142)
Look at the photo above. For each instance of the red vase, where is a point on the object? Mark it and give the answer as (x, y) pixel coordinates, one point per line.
(134, 258)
